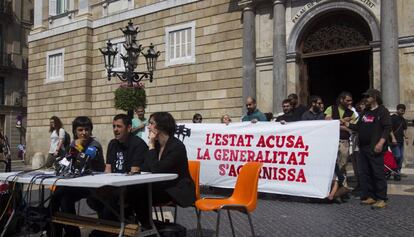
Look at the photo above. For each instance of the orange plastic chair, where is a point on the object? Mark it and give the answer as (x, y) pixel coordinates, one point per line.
(243, 199)
(194, 168)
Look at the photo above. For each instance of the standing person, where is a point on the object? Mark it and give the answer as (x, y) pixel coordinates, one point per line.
(373, 128)
(341, 112)
(138, 124)
(226, 119)
(314, 112)
(57, 136)
(64, 198)
(298, 109)
(253, 113)
(399, 127)
(287, 115)
(197, 118)
(166, 154)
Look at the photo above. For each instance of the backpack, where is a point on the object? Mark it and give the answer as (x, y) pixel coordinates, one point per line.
(66, 141)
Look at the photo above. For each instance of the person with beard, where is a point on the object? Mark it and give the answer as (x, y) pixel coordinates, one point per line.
(341, 112)
(298, 109)
(64, 198)
(125, 154)
(314, 112)
(287, 115)
(253, 113)
(373, 127)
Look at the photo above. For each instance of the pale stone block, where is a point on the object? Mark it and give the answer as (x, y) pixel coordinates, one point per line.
(204, 76)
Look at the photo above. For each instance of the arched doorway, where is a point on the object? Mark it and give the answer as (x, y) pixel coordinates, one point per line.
(335, 56)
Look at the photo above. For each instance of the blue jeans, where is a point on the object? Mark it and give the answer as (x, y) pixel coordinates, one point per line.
(398, 152)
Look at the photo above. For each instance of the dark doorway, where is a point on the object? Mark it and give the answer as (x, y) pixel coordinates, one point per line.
(330, 75)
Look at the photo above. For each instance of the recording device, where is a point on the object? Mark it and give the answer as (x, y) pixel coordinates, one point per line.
(75, 163)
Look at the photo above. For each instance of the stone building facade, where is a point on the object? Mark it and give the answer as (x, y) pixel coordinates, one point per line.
(15, 25)
(214, 53)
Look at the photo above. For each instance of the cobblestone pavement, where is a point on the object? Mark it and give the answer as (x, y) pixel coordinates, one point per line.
(278, 215)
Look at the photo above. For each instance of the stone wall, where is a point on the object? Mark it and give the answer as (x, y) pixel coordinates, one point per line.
(211, 86)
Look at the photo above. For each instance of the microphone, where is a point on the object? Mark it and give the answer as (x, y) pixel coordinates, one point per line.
(89, 154)
(64, 165)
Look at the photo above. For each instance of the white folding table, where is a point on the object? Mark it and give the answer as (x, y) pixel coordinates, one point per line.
(120, 181)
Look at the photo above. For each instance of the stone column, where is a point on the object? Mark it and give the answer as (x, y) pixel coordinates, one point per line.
(83, 7)
(249, 53)
(38, 15)
(279, 55)
(390, 83)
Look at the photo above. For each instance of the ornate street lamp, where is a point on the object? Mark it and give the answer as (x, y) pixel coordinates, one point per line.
(133, 50)
(130, 59)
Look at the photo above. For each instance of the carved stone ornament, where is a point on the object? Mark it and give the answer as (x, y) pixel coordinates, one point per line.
(339, 35)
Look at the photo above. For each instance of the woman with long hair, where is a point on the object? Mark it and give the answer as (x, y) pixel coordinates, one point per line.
(57, 136)
(166, 154)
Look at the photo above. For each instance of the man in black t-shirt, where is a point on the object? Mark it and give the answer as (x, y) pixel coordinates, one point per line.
(373, 127)
(125, 152)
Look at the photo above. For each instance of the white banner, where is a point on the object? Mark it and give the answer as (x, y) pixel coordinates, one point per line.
(298, 158)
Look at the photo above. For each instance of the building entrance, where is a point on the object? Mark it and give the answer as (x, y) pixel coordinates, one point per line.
(335, 57)
(330, 75)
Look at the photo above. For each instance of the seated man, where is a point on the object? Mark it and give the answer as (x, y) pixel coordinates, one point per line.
(125, 154)
(64, 198)
(166, 154)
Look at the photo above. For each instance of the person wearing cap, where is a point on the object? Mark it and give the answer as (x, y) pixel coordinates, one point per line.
(373, 128)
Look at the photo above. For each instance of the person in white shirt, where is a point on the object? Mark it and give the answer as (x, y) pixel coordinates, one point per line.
(57, 136)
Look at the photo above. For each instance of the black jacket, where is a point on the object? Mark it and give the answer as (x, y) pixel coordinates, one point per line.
(173, 160)
(373, 125)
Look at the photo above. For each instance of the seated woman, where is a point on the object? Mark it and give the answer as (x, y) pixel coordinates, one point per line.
(64, 198)
(166, 154)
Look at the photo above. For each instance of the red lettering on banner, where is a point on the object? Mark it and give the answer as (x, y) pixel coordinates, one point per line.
(291, 174)
(290, 141)
(301, 176)
(242, 156)
(232, 137)
(282, 174)
(303, 155)
(250, 156)
(292, 159)
(205, 156)
(282, 155)
(208, 142)
(234, 155)
(280, 141)
(268, 141)
(299, 143)
(218, 140)
(261, 142)
(269, 173)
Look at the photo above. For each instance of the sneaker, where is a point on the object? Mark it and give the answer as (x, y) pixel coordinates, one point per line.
(379, 204)
(368, 201)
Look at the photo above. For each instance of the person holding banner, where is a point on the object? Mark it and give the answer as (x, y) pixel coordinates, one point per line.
(373, 128)
(253, 113)
(166, 154)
